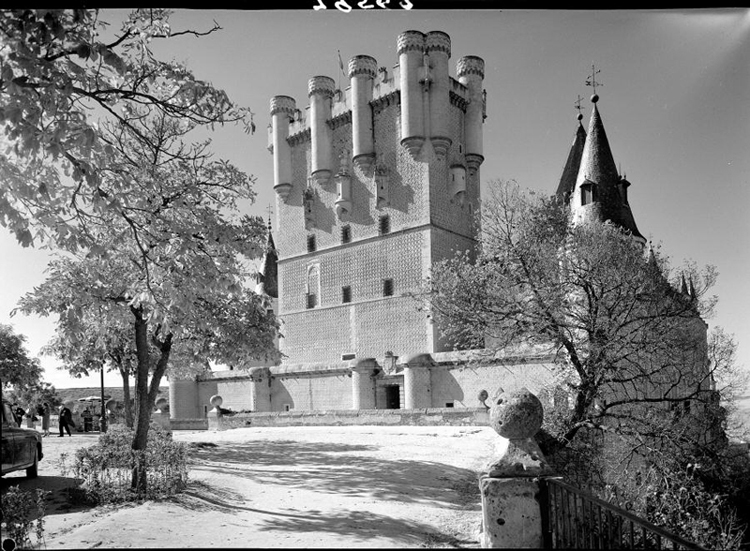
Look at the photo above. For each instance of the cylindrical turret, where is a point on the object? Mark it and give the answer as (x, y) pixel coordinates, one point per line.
(362, 70)
(438, 48)
(470, 73)
(320, 91)
(282, 112)
(183, 399)
(363, 383)
(410, 51)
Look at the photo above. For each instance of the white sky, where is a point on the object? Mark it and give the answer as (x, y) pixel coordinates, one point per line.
(675, 104)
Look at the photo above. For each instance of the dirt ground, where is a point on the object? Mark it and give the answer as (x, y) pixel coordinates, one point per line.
(336, 487)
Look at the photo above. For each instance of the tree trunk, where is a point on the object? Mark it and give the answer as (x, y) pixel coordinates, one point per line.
(142, 406)
(145, 396)
(125, 374)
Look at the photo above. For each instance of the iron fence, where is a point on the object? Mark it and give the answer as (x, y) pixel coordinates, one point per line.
(574, 519)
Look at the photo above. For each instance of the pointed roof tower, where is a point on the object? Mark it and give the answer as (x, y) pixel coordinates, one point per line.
(268, 274)
(572, 164)
(600, 193)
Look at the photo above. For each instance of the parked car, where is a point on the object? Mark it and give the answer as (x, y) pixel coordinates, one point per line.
(20, 448)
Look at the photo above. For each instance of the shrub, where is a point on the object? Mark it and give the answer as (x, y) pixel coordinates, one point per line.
(106, 468)
(16, 511)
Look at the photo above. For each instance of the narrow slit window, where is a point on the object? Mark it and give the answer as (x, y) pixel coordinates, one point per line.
(387, 287)
(385, 224)
(311, 245)
(346, 234)
(346, 294)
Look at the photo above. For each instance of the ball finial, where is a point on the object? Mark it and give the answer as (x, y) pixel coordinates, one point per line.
(594, 98)
(516, 415)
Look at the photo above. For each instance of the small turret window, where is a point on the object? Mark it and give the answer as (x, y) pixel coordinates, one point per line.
(346, 234)
(346, 294)
(588, 192)
(311, 245)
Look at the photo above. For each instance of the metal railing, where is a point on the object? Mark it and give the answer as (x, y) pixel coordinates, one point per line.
(573, 519)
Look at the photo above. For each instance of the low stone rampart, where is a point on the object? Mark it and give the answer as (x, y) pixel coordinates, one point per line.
(421, 416)
(188, 424)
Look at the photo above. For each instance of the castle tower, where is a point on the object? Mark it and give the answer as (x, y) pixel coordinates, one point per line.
(351, 255)
(600, 193)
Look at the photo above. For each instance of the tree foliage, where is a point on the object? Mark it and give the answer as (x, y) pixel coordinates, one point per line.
(68, 85)
(625, 338)
(102, 161)
(17, 368)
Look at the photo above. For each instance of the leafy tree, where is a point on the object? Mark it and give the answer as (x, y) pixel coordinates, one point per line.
(168, 259)
(626, 339)
(63, 73)
(633, 359)
(101, 163)
(17, 369)
(104, 341)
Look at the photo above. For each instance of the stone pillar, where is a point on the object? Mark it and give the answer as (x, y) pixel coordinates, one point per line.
(214, 415)
(363, 383)
(511, 510)
(417, 384)
(183, 399)
(261, 388)
(161, 415)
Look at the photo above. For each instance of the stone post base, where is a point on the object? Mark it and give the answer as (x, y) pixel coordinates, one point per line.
(511, 514)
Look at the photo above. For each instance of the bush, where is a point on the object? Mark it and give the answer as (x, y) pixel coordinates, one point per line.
(16, 511)
(106, 468)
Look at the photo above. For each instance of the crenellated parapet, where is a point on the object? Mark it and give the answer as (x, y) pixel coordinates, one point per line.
(418, 102)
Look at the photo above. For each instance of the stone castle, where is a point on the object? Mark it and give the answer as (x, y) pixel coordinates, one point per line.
(374, 184)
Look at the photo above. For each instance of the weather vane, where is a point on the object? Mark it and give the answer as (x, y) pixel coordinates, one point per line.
(578, 101)
(591, 81)
(269, 210)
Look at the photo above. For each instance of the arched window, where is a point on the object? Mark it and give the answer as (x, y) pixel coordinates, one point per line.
(312, 286)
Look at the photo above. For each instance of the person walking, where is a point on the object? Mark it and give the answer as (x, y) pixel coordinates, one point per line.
(45, 419)
(66, 419)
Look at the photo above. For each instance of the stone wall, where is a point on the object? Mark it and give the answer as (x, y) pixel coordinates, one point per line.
(427, 416)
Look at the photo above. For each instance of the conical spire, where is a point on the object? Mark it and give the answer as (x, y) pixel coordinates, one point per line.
(572, 164)
(268, 274)
(599, 171)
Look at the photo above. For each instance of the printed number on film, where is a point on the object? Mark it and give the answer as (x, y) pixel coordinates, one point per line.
(342, 5)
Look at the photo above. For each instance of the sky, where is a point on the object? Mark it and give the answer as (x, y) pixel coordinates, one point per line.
(674, 100)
